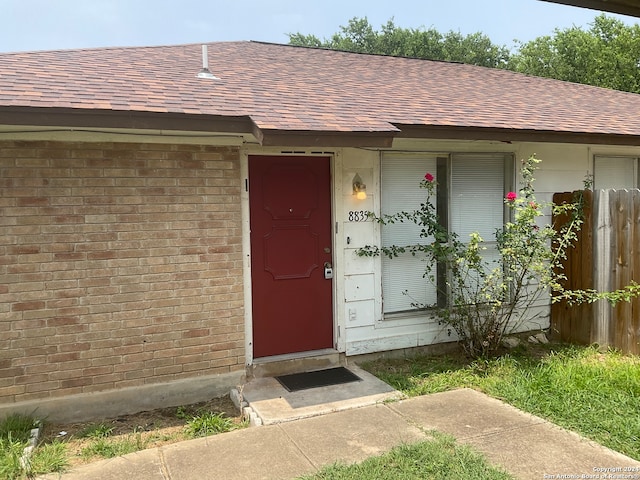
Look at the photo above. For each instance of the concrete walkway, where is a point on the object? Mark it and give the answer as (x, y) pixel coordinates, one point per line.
(526, 446)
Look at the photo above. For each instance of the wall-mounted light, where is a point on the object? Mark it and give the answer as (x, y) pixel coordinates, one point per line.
(359, 188)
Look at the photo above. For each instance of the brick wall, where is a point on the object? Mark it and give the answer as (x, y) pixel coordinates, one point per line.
(120, 265)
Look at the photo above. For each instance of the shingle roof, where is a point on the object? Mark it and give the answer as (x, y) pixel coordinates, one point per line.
(286, 88)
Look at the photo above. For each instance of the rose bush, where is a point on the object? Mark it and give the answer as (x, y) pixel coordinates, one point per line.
(484, 300)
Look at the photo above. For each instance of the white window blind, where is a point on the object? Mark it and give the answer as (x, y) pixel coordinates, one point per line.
(477, 195)
(477, 201)
(615, 172)
(400, 184)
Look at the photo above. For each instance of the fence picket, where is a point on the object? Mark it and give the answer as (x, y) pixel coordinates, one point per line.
(608, 251)
(634, 323)
(572, 323)
(622, 272)
(585, 237)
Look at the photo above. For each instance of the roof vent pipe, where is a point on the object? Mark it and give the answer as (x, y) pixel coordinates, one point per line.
(205, 73)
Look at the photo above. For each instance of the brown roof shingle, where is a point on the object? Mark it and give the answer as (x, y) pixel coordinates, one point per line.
(295, 89)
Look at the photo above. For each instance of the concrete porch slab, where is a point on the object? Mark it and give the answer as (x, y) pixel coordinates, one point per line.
(272, 403)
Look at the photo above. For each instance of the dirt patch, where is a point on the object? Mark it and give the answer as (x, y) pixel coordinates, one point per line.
(142, 430)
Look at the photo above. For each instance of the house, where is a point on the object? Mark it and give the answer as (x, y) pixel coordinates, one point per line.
(173, 216)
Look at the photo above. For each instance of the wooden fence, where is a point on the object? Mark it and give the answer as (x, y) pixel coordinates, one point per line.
(606, 257)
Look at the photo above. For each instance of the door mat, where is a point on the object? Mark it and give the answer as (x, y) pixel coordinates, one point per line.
(319, 378)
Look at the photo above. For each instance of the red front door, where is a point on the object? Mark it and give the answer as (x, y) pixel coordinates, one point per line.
(290, 203)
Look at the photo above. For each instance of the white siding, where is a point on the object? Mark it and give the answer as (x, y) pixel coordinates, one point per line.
(564, 167)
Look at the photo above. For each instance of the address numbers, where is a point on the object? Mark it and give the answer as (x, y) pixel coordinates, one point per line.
(358, 215)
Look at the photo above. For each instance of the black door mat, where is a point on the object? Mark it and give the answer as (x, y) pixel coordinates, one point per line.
(319, 378)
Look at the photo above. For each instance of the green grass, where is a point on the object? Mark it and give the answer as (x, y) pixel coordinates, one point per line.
(10, 453)
(200, 424)
(595, 394)
(96, 430)
(18, 426)
(111, 447)
(15, 430)
(96, 441)
(440, 458)
(209, 423)
(49, 457)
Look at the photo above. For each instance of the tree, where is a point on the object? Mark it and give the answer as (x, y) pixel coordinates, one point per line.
(607, 55)
(359, 36)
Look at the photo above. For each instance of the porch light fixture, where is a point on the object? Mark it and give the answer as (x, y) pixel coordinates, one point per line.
(359, 188)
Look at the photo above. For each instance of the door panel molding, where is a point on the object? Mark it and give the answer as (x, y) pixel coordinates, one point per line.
(307, 246)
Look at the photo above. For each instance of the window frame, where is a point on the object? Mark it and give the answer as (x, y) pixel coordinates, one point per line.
(443, 207)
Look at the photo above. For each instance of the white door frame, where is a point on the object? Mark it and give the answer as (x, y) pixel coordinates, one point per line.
(337, 242)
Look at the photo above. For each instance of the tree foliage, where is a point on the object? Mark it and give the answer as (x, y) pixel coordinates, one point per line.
(359, 36)
(605, 55)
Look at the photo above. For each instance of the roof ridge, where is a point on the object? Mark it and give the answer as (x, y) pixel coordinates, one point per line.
(120, 47)
(327, 49)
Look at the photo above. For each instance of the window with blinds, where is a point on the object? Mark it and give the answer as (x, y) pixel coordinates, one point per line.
(477, 201)
(474, 184)
(615, 172)
(403, 281)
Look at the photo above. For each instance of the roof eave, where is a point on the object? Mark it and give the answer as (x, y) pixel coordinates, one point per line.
(321, 138)
(514, 135)
(137, 120)
(90, 118)
(624, 7)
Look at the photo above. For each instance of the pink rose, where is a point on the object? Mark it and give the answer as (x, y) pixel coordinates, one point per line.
(511, 196)
(428, 177)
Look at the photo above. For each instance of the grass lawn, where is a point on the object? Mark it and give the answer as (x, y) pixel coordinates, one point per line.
(14, 437)
(440, 458)
(579, 388)
(66, 445)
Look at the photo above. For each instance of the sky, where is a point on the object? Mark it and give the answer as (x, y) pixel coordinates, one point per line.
(64, 24)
